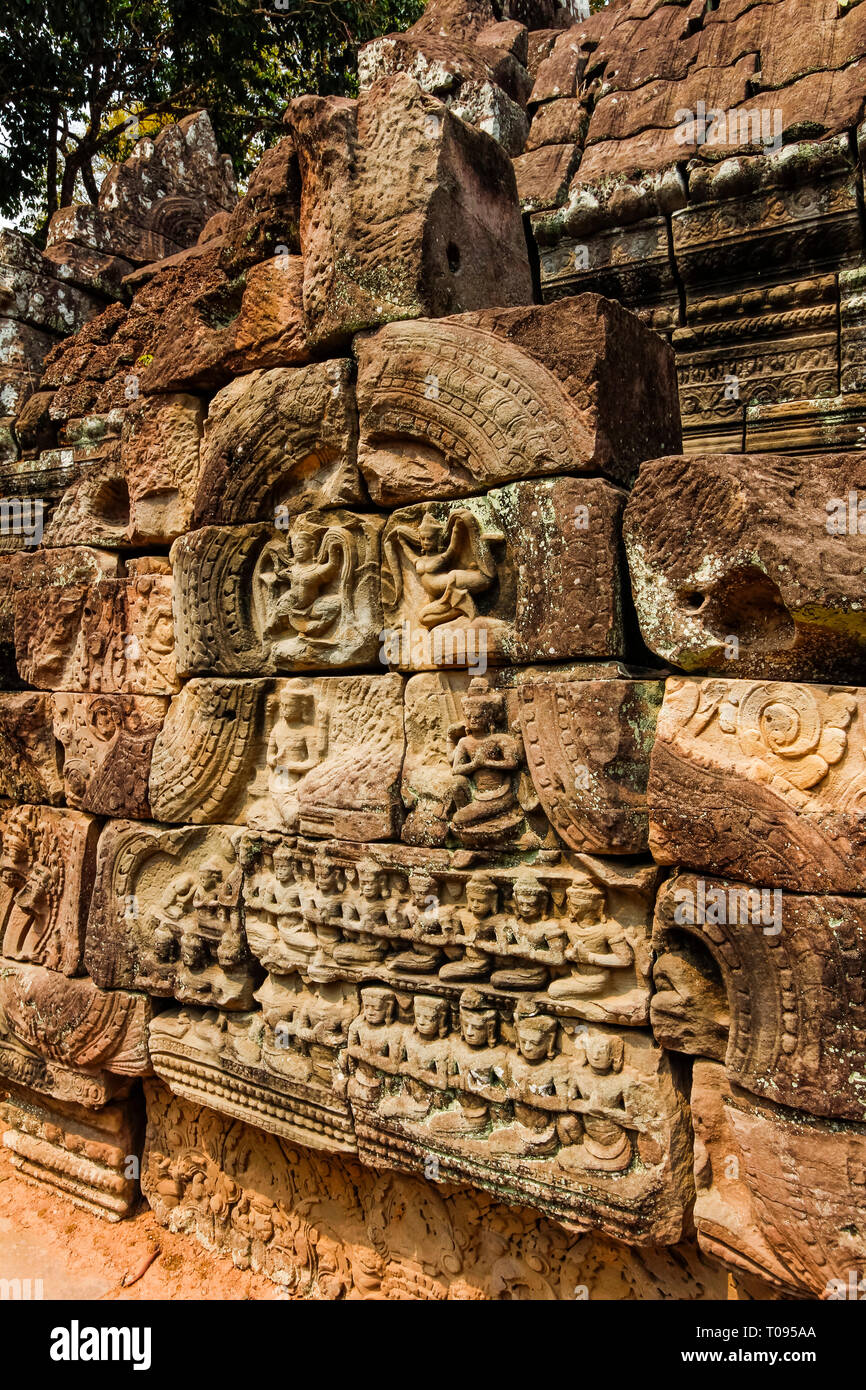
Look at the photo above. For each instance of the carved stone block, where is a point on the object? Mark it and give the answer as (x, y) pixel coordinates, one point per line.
(159, 453)
(21, 1066)
(48, 569)
(449, 408)
(325, 1227)
(322, 755)
(528, 572)
(72, 1022)
(278, 443)
(279, 1068)
(107, 745)
(499, 761)
(405, 212)
(761, 781)
(81, 1154)
(788, 973)
(166, 915)
(749, 562)
(115, 636)
(779, 1194)
(258, 600)
(29, 756)
(46, 872)
(586, 1124)
(570, 937)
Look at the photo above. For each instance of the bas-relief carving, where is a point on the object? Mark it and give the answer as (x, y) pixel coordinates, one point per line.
(82, 1154)
(325, 1227)
(780, 1194)
(29, 757)
(762, 781)
(72, 1022)
(466, 576)
(793, 974)
(499, 760)
(166, 915)
(257, 600)
(46, 871)
(574, 934)
(107, 745)
(319, 755)
(112, 637)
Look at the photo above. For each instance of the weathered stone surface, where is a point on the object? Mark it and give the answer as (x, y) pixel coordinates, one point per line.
(571, 938)
(320, 755)
(44, 570)
(266, 221)
(45, 303)
(325, 1227)
(793, 971)
(46, 874)
(463, 580)
(159, 453)
(30, 759)
(452, 407)
(72, 1022)
(81, 1154)
(277, 443)
(779, 1194)
(115, 637)
(566, 748)
(107, 743)
(406, 212)
(751, 563)
(21, 1066)
(255, 600)
(544, 175)
(95, 507)
(86, 268)
(166, 915)
(761, 781)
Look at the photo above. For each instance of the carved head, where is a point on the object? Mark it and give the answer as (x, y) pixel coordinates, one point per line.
(422, 887)
(603, 1053)
(370, 882)
(430, 534)
(302, 544)
(284, 865)
(379, 1005)
(483, 709)
(478, 1022)
(192, 951)
(430, 1015)
(164, 944)
(325, 874)
(536, 1032)
(530, 897)
(210, 874)
(482, 895)
(297, 705)
(103, 720)
(585, 900)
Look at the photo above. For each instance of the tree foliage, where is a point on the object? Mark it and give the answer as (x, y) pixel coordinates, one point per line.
(79, 78)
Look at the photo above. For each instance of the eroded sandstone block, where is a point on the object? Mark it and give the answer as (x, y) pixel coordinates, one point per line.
(779, 1194)
(761, 781)
(569, 936)
(257, 600)
(498, 761)
(326, 1227)
(29, 761)
(322, 756)
(72, 1022)
(46, 873)
(42, 570)
(452, 407)
(107, 744)
(528, 572)
(82, 1154)
(115, 636)
(751, 564)
(166, 915)
(278, 443)
(406, 212)
(21, 1066)
(782, 974)
(159, 453)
